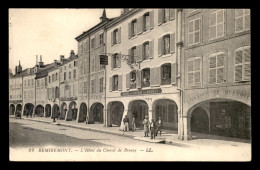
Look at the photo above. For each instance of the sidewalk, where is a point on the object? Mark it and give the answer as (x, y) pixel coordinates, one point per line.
(168, 136)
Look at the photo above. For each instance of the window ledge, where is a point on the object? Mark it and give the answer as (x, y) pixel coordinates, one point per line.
(134, 37)
(114, 69)
(165, 55)
(165, 23)
(146, 31)
(147, 60)
(166, 85)
(116, 91)
(144, 88)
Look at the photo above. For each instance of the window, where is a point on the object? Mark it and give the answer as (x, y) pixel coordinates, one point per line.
(74, 74)
(46, 81)
(146, 77)
(146, 51)
(101, 39)
(93, 43)
(194, 71)
(166, 15)
(216, 68)
(242, 20)
(61, 69)
(216, 24)
(69, 75)
(134, 27)
(64, 67)
(133, 80)
(166, 42)
(56, 77)
(166, 74)
(115, 83)
(146, 21)
(194, 32)
(38, 83)
(52, 77)
(64, 75)
(100, 85)
(49, 79)
(92, 86)
(115, 36)
(116, 61)
(242, 64)
(133, 58)
(75, 63)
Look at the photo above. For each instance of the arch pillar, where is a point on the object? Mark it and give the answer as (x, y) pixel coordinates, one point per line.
(187, 128)
(126, 111)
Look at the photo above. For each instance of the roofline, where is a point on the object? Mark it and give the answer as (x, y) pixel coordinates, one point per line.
(123, 17)
(94, 28)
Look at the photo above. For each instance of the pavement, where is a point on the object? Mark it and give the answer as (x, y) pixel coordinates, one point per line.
(168, 136)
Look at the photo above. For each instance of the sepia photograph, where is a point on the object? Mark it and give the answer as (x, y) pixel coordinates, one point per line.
(129, 84)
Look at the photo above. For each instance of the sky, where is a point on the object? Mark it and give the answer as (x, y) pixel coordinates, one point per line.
(48, 32)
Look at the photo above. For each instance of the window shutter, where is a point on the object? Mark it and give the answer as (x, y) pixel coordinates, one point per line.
(112, 61)
(174, 73)
(140, 25)
(139, 52)
(110, 83)
(96, 85)
(152, 76)
(151, 16)
(172, 41)
(97, 38)
(238, 65)
(112, 39)
(128, 81)
(119, 60)
(160, 14)
(120, 82)
(129, 30)
(247, 65)
(119, 35)
(212, 69)
(172, 14)
(151, 44)
(160, 46)
(129, 55)
(157, 74)
(138, 78)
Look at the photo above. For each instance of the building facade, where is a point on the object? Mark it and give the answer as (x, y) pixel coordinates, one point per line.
(142, 68)
(216, 66)
(69, 88)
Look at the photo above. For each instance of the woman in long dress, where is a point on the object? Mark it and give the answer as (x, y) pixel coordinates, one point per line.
(146, 126)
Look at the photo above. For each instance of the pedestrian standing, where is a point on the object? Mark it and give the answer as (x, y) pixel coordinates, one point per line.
(146, 126)
(153, 128)
(159, 126)
(133, 125)
(126, 123)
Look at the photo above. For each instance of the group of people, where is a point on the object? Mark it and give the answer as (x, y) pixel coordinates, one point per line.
(152, 127)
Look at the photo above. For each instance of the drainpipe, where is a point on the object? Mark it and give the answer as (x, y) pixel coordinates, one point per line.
(105, 96)
(88, 75)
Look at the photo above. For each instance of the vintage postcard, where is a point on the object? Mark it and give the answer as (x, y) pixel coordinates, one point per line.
(129, 84)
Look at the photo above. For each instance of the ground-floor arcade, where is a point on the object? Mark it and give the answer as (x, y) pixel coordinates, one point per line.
(11, 109)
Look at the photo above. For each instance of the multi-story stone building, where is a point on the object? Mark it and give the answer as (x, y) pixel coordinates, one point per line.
(53, 90)
(69, 87)
(142, 67)
(29, 91)
(91, 74)
(216, 65)
(16, 90)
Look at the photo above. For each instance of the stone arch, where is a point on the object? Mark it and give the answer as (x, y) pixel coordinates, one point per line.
(11, 109)
(55, 111)
(39, 111)
(115, 113)
(167, 109)
(72, 113)
(47, 110)
(96, 113)
(28, 109)
(83, 112)
(63, 111)
(199, 120)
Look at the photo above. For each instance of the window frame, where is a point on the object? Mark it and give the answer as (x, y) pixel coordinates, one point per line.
(216, 68)
(243, 23)
(115, 86)
(143, 77)
(133, 57)
(133, 27)
(193, 72)
(116, 58)
(146, 46)
(242, 64)
(163, 81)
(164, 44)
(194, 32)
(146, 24)
(115, 36)
(217, 24)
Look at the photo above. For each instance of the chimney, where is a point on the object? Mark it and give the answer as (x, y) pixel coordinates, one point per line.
(61, 58)
(104, 16)
(125, 10)
(37, 60)
(72, 53)
(41, 63)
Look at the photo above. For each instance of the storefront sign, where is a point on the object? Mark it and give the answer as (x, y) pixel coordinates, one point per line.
(140, 92)
(15, 101)
(68, 98)
(96, 97)
(235, 94)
